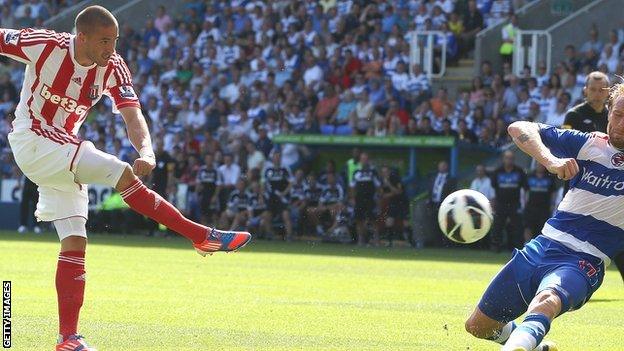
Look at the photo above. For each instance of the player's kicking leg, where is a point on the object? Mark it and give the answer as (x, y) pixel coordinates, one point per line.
(97, 167)
(567, 284)
(148, 203)
(503, 302)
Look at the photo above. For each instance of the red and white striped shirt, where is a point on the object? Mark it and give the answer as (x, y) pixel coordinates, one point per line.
(58, 92)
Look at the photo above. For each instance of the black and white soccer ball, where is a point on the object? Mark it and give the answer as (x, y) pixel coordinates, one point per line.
(465, 216)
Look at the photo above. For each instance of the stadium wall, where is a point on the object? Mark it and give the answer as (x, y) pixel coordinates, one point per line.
(604, 14)
(537, 15)
(132, 13)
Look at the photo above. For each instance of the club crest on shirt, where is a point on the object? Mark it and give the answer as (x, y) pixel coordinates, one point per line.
(11, 37)
(126, 91)
(94, 92)
(618, 159)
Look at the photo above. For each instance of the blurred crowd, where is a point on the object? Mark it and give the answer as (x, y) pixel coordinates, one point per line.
(219, 81)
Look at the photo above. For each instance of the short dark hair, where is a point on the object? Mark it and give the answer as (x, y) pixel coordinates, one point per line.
(94, 16)
(597, 75)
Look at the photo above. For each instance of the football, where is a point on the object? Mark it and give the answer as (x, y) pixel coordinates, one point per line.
(465, 216)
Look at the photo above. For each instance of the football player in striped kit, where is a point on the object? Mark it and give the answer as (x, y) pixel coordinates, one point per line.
(560, 269)
(65, 76)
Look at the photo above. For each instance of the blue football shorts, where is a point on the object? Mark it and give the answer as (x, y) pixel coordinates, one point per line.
(542, 264)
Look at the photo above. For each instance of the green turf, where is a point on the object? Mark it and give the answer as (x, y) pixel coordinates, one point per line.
(157, 294)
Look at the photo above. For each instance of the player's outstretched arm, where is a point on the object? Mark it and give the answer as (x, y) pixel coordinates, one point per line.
(526, 135)
(139, 136)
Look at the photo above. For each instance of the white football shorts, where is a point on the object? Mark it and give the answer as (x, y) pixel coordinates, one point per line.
(61, 166)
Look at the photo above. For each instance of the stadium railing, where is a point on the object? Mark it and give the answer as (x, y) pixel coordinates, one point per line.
(530, 48)
(422, 52)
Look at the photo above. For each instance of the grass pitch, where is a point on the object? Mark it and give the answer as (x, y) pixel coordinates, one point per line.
(158, 294)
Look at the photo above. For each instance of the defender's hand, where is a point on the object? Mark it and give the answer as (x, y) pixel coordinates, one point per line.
(564, 168)
(143, 166)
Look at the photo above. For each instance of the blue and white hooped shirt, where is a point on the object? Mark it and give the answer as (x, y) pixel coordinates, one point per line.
(590, 218)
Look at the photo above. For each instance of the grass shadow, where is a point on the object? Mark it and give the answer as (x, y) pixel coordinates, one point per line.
(603, 300)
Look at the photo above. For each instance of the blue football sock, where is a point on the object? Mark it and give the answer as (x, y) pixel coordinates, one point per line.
(529, 333)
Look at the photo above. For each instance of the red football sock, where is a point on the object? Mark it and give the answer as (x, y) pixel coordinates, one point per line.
(70, 286)
(148, 203)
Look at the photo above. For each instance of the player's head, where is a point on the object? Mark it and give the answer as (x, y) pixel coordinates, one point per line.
(615, 127)
(443, 166)
(385, 171)
(276, 157)
(480, 170)
(209, 160)
(596, 88)
(255, 187)
(508, 158)
(364, 159)
(96, 32)
(241, 184)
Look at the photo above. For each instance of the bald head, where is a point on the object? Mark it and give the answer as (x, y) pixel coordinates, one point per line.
(94, 16)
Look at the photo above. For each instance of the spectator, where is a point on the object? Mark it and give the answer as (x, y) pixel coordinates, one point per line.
(473, 22)
(439, 102)
(456, 25)
(482, 183)
(235, 214)
(393, 204)
(538, 201)
(571, 58)
(364, 187)
(7, 19)
(297, 201)
(208, 187)
(313, 74)
(362, 115)
(258, 222)
(593, 47)
(508, 33)
(162, 20)
(591, 115)
(255, 158)
(326, 107)
(28, 205)
(230, 173)
(264, 144)
(498, 11)
(508, 181)
(523, 108)
(278, 182)
(339, 122)
(440, 185)
(465, 134)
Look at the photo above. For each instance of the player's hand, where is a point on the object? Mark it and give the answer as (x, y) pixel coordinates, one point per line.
(564, 168)
(143, 166)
